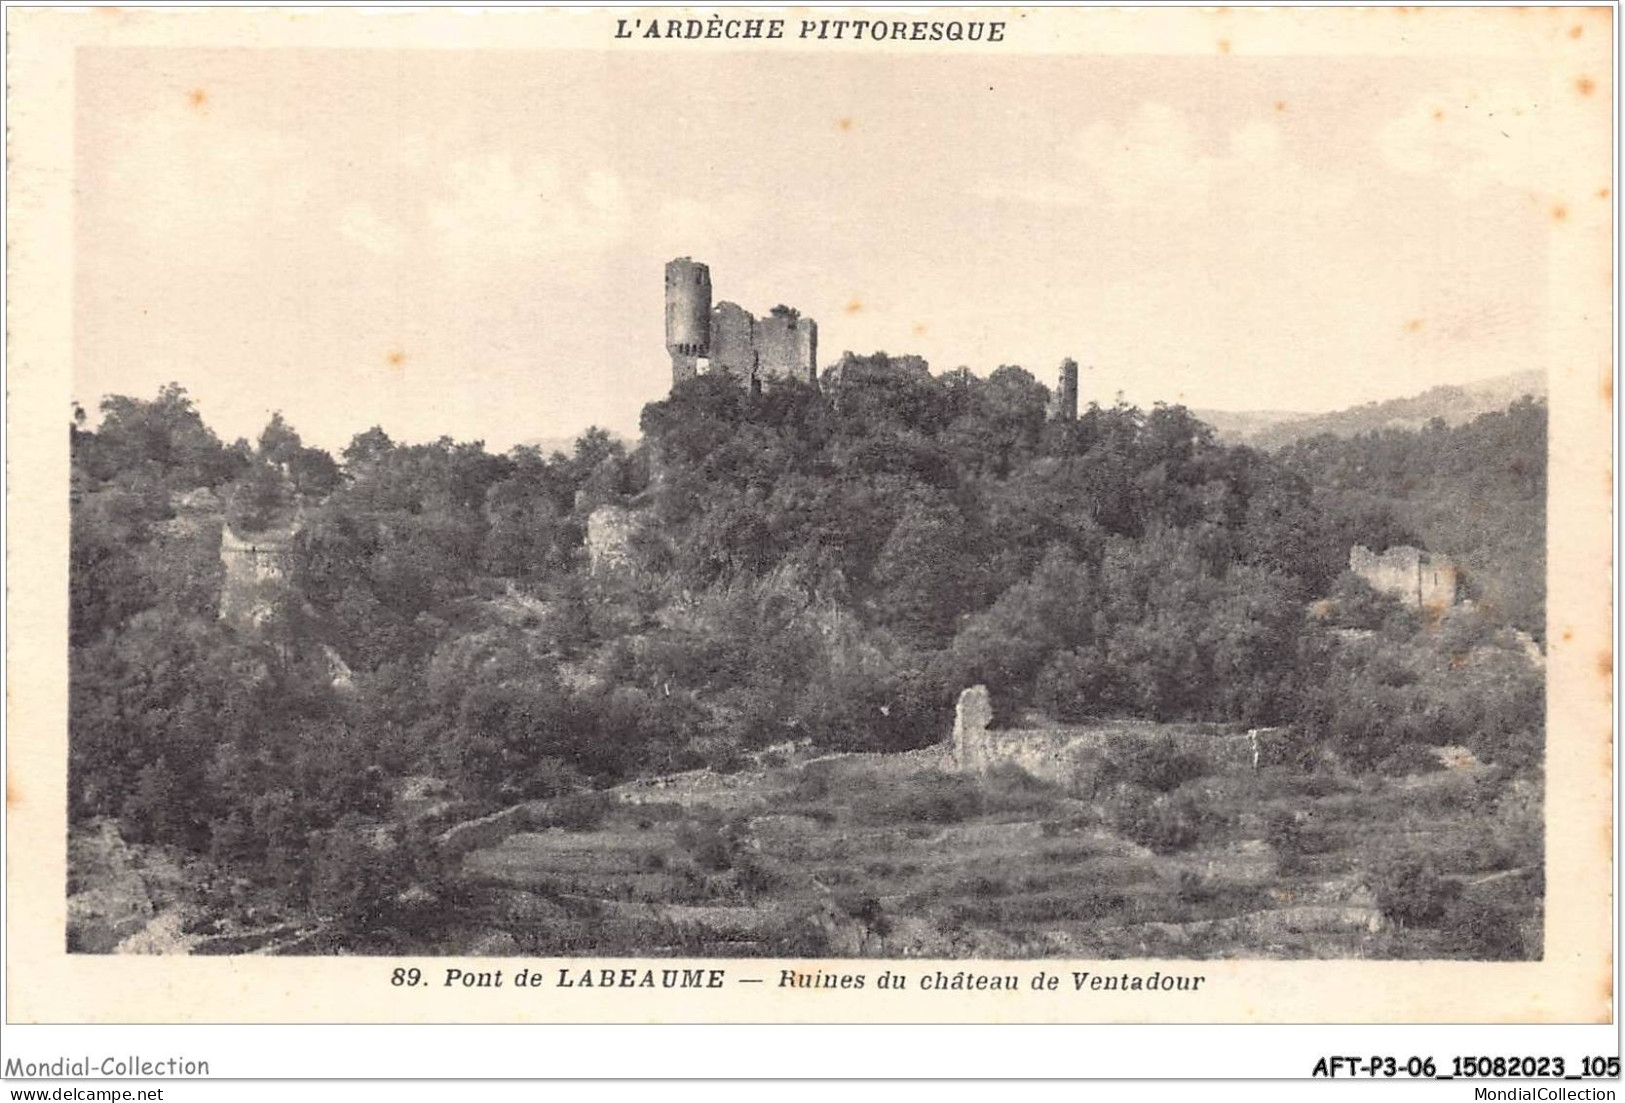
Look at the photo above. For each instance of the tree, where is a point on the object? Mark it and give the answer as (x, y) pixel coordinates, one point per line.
(153, 812)
(367, 448)
(279, 442)
(261, 500)
(165, 436)
(1003, 424)
(358, 877)
(1005, 646)
(311, 472)
(924, 574)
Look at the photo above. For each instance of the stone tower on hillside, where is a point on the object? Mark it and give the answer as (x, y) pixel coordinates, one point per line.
(258, 567)
(688, 316)
(730, 339)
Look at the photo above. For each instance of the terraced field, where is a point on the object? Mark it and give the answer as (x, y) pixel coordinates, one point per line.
(892, 856)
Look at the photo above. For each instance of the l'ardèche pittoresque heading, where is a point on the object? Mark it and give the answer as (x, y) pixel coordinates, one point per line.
(836, 30)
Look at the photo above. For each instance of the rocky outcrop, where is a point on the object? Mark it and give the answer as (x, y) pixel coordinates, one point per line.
(339, 674)
(1417, 578)
(609, 538)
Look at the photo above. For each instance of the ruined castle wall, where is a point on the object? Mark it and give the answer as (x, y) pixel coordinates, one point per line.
(683, 367)
(972, 714)
(807, 350)
(733, 341)
(1420, 580)
(729, 339)
(609, 538)
(1056, 754)
(257, 567)
(487, 830)
(907, 364)
(1440, 583)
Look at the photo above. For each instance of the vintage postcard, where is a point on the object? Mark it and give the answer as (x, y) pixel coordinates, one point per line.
(810, 515)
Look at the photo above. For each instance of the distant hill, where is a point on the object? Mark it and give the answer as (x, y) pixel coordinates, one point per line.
(1476, 492)
(1241, 426)
(1457, 405)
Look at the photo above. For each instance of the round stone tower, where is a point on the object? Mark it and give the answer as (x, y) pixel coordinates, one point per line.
(688, 316)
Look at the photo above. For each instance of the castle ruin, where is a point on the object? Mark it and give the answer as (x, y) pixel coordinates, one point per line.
(1419, 579)
(730, 339)
(1063, 403)
(608, 541)
(1060, 753)
(257, 568)
(727, 339)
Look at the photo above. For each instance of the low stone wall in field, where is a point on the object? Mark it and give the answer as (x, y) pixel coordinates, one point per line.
(486, 831)
(1056, 753)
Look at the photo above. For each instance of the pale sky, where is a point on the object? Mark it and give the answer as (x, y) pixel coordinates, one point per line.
(472, 243)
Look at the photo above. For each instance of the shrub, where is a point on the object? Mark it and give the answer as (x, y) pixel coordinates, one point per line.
(1165, 823)
(552, 776)
(868, 911)
(1292, 837)
(1322, 785)
(659, 811)
(1153, 764)
(1088, 905)
(1412, 758)
(812, 783)
(1009, 788)
(1355, 604)
(579, 811)
(356, 879)
(1283, 831)
(1294, 834)
(1071, 684)
(1410, 889)
(924, 798)
(799, 937)
(1488, 930)
(983, 885)
(1193, 887)
(730, 760)
(711, 850)
(752, 874)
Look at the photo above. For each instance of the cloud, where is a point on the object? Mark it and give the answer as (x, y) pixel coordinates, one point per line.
(494, 207)
(200, 185)
(1154, 163)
